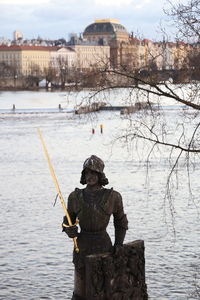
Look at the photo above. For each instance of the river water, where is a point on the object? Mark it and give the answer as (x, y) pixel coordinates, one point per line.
(35, 256)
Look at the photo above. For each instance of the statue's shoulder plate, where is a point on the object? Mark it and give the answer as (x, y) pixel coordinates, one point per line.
(111, 200)
(106, 201)
(76, 199)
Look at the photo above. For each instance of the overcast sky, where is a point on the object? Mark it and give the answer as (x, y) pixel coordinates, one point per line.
(58, 18)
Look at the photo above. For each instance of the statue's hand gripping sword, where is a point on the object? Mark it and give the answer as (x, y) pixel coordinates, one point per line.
(57, 188)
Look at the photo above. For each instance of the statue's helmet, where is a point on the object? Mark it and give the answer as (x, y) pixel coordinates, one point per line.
(94, 163)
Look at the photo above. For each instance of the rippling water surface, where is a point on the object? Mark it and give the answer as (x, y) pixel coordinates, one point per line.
(35, 256)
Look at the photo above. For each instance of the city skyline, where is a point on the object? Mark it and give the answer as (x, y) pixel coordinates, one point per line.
(53, 19)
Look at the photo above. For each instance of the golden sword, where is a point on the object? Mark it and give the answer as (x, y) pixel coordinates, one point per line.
(58, 188)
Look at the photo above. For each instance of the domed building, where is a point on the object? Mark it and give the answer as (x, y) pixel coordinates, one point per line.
(110, 32)
(106, 30)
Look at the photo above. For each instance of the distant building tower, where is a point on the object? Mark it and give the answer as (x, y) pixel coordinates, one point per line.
(108, 32)
(17, 35)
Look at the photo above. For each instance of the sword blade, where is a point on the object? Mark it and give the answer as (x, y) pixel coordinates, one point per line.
(57, 186)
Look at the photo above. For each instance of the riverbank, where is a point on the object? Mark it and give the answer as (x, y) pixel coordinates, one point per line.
(38, 88)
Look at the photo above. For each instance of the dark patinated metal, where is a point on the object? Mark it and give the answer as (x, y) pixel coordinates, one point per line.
(93, 206)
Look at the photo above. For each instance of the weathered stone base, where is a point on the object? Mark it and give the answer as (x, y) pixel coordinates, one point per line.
(119, 276)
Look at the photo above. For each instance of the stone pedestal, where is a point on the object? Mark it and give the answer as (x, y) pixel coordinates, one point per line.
(119, 276)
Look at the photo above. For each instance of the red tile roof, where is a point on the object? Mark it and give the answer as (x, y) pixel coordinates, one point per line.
(23, 47)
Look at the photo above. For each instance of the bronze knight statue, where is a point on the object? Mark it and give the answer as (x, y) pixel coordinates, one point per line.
(93, 207)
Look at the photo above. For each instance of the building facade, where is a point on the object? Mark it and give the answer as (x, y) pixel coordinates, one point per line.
(105, 43)
(36, 60)
(25, 60)
(89, 56)
(63, 57)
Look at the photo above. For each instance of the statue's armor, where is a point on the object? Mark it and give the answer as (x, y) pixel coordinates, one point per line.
(93, 209)
(93, 206)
